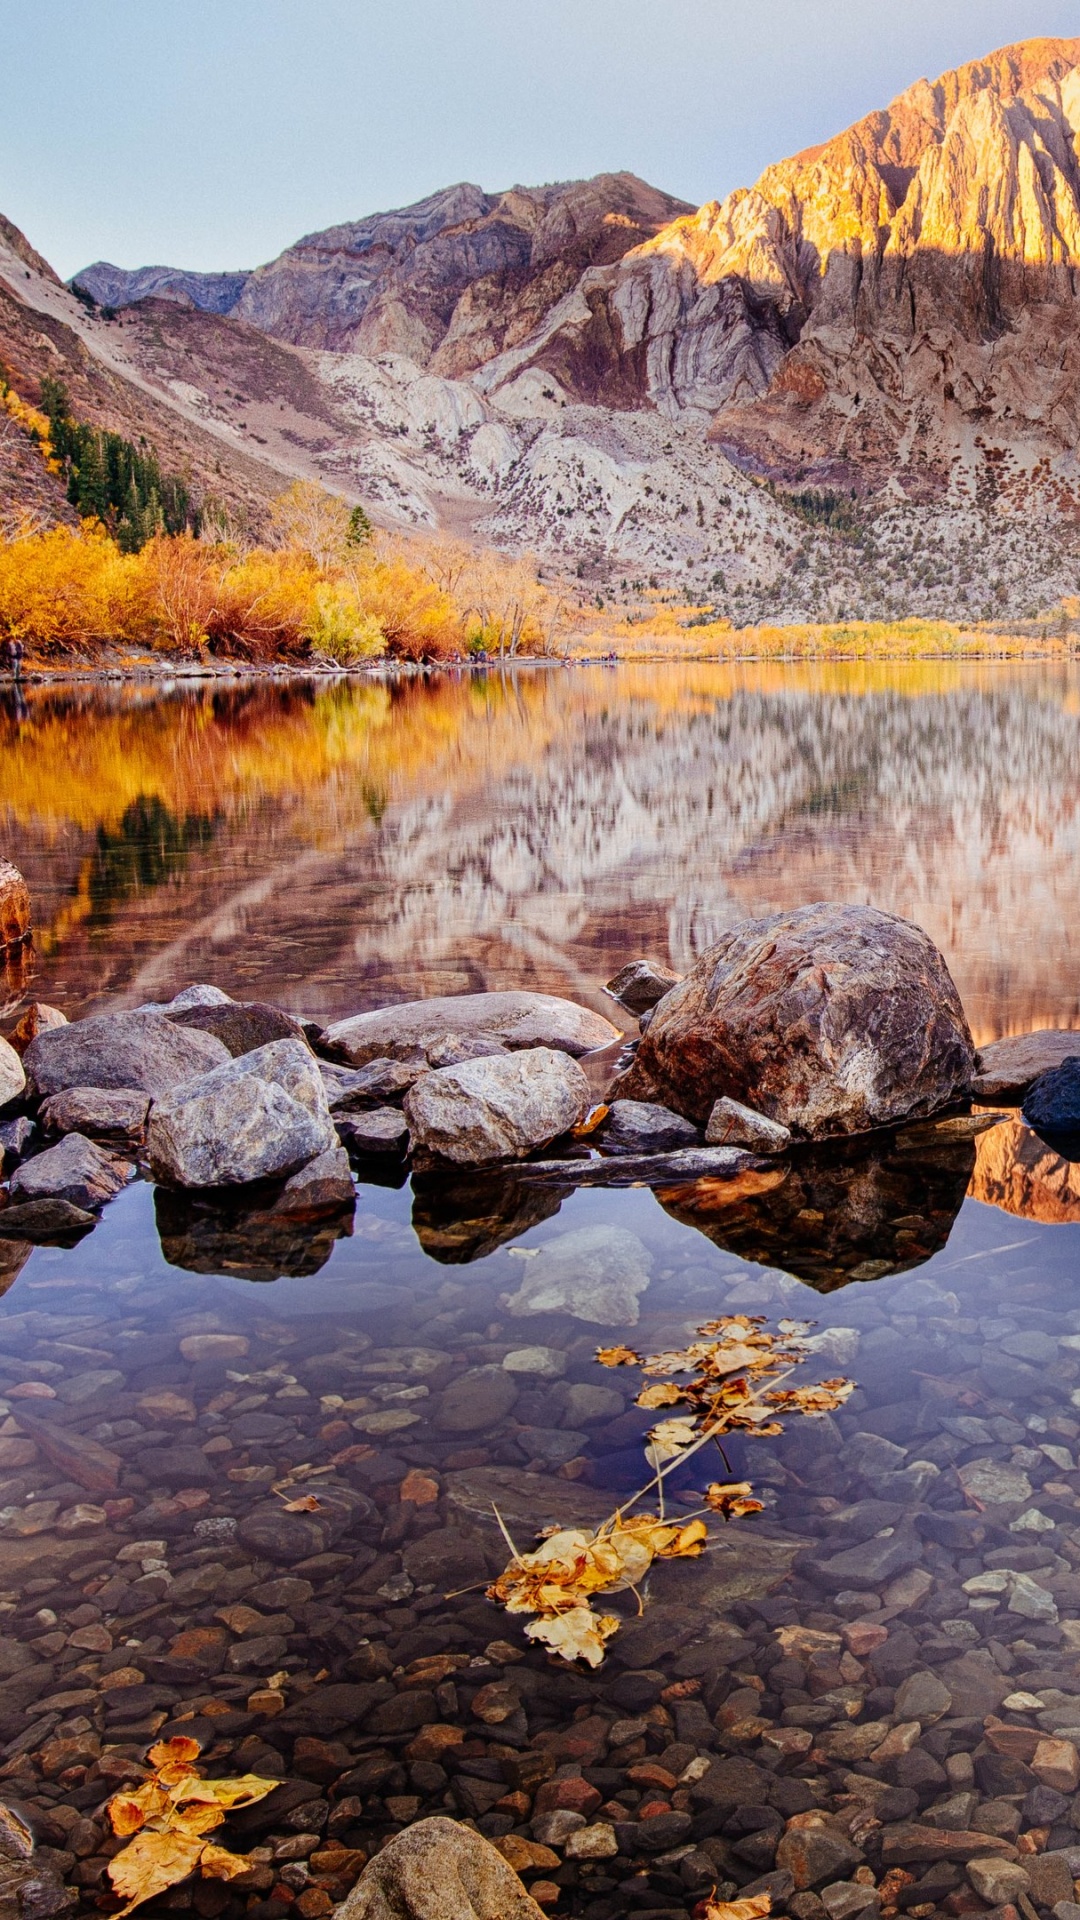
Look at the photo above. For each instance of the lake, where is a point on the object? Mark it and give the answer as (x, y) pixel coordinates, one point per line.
(184, 1369)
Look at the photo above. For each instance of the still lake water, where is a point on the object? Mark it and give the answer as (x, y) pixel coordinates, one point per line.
(330, 848)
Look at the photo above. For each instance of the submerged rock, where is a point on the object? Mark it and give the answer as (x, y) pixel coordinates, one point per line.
(125, 1050)
(1052, 1105)
(105, 1113)
(438, 1870)
(258, 1117)
(76, 1171)
(12, 1075)
(639, 985)
(512, 1020)
(497, 1109)
(594, 1273)
(733, 1125)
(831, 1020)
(379, 1130)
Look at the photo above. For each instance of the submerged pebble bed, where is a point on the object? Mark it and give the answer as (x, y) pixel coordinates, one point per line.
(859, 1692)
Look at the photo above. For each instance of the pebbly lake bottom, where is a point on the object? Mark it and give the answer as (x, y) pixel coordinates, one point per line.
(849, 1698)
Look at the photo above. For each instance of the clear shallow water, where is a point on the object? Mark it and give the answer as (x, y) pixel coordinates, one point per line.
(333, 849)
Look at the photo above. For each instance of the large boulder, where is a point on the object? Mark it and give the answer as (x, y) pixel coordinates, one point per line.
(14, 905)
(508, 1019)
(438, 1870)
(12, 1075)
(258, 1117)
(139, 1051)
(496, 1109)
(830, 1019)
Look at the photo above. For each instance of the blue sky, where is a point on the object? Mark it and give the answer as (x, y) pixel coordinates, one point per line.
(211, 133)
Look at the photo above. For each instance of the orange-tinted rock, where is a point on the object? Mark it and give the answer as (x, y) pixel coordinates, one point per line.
(14, 905)
(831, 1019)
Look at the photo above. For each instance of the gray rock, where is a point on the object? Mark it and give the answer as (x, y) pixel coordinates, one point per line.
(76, 1171)
(381, 1130)
(41, 1221)
(438, 1870)
(241, 1026)
(513, 1019)
(870, 1564)
(832, 1019)
(583, 1405)
(496, 1109)
(125, 1050)
(15, 1137)
(356, 1089)
(998, 1881)
(546, 1363)
(730, 1124)
(1007, 1068)
(552, 1446)
(476, 1400)
(103, 1113)
(197, 995)
(258, 1117)
(594, 1273)
(640, 1126)
(640, 984)
(922, 1697)
(290, 1537)
(845, 1899)
(324, 1186)
(653, 1169)
(12, 1075)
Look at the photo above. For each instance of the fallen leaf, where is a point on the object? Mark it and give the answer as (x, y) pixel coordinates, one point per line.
(151, 1864)
(577, 1635)
(220, 1864)
(668, 1395)
(752, 1909)
(592, 1120)
(304, 1503)
(618, 1357)
(733, 1499)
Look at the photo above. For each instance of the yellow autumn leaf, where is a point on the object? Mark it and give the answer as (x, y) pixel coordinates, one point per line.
(220, 1864)
(179, 1751)
(753, 1908)
(669, 1437)
(668, 1395)
(128, 1813)
(618, 1357)
(733, 1499)
(304, 1503)
(241, 1792)
(578, 1635)
(200, 1816)
(592, 1120)
(151, 1864)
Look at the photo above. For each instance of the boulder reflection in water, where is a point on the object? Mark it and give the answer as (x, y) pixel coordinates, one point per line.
(837, 1213)
(252, 1243)
(1021, 1173)
(461, 1217)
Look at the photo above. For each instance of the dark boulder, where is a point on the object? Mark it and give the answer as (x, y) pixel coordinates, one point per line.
(1052, 1106)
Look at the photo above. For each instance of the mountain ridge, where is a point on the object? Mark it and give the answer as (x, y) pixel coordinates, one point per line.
(853, 386)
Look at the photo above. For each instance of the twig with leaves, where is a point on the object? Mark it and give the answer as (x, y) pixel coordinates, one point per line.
(734, 1373)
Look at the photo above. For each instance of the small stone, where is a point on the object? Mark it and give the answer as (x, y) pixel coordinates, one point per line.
(554, 1829)
(641, 984)
(847, 1898)
(997, 1881)
(597, 1842)
(525, 1856)
(41, 1221)
(418, 1489)
(198, 1347)
(815, 1855)
(640, 1126)
(922, 1697)
(1030, 1600)
(1056, 1763)
(1051, 1878)
(102, 1113)
(476, 1400)
(12, 1075)
(379, 1130)
(730, 1124)
(546, 1363)
(497, 1108)
(994, 1482)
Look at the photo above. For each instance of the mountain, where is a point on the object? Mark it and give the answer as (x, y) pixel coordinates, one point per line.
(851, 389)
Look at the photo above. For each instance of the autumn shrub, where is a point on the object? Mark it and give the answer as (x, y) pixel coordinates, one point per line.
(61, 588)
(419, 619)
